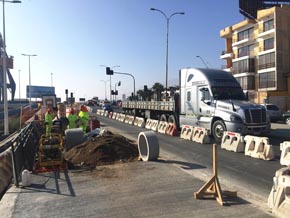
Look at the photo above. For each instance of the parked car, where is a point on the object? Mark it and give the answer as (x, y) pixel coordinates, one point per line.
(274, 112)
(286, 117)
(107, 107)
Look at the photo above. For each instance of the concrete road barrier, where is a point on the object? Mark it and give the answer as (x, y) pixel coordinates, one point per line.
(154, 126)
(285, 153)
(233, 141)
(201, 135)
(186, 132)
(259, 147)
(279, 198)
(162, 126)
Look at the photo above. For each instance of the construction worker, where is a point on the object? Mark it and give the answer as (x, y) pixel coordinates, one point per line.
(84, 118)
(72, 118)
(48, 121)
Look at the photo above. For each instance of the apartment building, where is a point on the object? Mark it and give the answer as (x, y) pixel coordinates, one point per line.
(257, 53)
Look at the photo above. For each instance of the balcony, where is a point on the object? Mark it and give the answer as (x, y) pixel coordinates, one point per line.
(266, 33)
(225, 55)
(239, 42)
(266, 66)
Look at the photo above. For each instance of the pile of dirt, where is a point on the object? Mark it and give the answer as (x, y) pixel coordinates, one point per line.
(107, 148)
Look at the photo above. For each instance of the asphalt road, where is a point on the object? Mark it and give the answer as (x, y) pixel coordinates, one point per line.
(252, 177)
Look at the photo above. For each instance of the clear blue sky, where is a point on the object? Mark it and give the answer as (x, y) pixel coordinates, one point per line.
(72, 38)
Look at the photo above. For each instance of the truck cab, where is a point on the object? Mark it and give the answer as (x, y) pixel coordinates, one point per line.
(214, 99)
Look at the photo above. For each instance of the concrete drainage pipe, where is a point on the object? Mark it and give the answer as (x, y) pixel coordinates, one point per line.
(148, 146)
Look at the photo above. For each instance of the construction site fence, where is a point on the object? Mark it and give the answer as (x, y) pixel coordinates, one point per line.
(22, 146)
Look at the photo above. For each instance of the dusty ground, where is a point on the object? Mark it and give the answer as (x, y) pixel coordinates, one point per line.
(101, 150)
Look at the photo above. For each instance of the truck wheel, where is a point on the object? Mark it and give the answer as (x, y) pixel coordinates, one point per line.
(171, 119)
(163, 117)
(218, 130)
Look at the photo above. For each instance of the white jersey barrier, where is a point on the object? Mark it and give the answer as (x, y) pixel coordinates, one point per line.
(162, 126)
(131, 120)
(149, 123)
(154, 126)
(114, 115)
(279, 198)
(122, 117)
(127, 117)
(258, 147)
(100, 112)
(285, 153)
(233, 141)
(106, 113)
(186, 132)
(201, 135)
(141, 122)
(117, 116)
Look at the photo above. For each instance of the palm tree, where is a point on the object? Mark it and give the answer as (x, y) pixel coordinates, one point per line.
(157, 88)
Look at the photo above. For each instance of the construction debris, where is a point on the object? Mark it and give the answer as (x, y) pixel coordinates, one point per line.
(103, 149)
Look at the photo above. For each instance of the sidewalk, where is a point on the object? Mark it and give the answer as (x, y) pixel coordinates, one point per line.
(137, 189)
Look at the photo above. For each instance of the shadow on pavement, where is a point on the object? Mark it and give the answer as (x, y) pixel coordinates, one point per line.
(184, 165)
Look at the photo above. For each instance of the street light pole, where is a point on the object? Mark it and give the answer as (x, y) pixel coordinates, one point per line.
(167, 33)
(110, 78)
(29, 55)
(19, 83)
(105, 81)
(202, 61)
(5, 102)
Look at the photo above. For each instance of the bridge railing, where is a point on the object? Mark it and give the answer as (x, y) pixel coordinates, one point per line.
(21, 146)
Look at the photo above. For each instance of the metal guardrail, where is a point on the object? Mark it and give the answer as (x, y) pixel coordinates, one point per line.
(23, 145)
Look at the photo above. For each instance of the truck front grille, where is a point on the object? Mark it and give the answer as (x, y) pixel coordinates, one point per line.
(255, 115)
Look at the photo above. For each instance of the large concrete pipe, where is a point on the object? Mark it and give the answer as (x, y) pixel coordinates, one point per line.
(148, 146)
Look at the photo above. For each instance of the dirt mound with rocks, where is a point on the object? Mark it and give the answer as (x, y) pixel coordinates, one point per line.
(107, 148)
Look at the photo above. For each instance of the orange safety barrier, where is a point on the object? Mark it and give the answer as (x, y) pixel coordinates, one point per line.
(171, 129)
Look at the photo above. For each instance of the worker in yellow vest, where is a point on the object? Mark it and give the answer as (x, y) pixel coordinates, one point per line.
(84, 118)
(72, 118)
(48, 121)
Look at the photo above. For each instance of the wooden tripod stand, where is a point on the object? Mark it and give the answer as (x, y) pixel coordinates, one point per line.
(212, 188)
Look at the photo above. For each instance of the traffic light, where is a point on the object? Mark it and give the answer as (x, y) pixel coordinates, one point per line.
(109, 71)
(66, 91)
(145, 88)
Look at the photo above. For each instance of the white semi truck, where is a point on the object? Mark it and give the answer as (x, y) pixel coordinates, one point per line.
(208, 98)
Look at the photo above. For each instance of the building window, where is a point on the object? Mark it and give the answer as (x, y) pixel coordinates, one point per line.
(246, 34)
(247, 82)
(267, 80)
(268, 44)
(266, 61)
(188, 96)
(268, 25)
(243, 66)
(246, 51)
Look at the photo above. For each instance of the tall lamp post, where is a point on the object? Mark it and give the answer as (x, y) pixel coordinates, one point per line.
(19, 82)
(51, 74)
(110, 78)
(167, 33)
(105, 81)
(202, 61)
(5, 102)
(29, 55)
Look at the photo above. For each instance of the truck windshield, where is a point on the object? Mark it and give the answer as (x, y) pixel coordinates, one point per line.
(226, 93)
